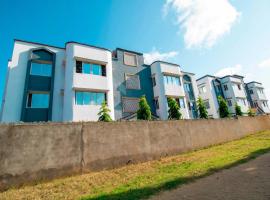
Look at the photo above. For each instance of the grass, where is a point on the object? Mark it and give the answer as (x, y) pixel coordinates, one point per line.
(142, 180)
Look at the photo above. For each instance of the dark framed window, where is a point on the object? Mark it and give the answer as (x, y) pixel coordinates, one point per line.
(90, 68)
(38, 100)
(41, 69)
(154, 81)
(156, 102)
(225, 87)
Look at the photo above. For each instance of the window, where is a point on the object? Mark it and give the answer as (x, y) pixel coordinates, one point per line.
(154, 81)
(239, 86)
(202, 89)
(130, 105)
(156, 103)
(265, 104)
(207, 104)
(182, 103)
(89, 98)
(250, 91)
(225, 87)
(90, 68)
(172, 80)
(229, 102)
(187, 87)
(38, 100)
(133, 82)
(130, 59)
(261, 91)
(41, 69)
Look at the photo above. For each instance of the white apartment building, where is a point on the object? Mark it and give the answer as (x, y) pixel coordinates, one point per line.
(231, 88)
(168, 82)
(48, 83)
(256, 97)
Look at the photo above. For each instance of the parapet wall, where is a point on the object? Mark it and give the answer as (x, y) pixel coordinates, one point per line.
(36, 152)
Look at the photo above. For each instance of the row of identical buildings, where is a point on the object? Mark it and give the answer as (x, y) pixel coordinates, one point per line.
(48, 83)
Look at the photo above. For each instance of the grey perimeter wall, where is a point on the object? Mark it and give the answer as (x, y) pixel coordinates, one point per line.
(35, 152)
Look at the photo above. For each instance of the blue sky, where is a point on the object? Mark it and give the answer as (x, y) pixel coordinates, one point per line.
(203, 36)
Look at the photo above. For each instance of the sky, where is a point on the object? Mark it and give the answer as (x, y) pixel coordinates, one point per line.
(217, 37)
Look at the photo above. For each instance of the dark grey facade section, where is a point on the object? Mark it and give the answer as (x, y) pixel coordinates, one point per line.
(119, 82)
(35, 83)
(191, 100)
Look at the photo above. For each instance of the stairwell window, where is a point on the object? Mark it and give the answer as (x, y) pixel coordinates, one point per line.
(133, 82)
(130, 59)
(41, 69)
(90, 68)
(225, 87)
(38, 100)
(229, 102)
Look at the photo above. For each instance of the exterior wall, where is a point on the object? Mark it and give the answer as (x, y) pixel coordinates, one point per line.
(83, 82)
(162, 91)
(74, 148)
(257, 97)
(119, 82)
(233, 93)
(209, 95)
(16, 79)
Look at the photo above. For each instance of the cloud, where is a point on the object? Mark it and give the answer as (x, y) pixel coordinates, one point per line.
(203, 21)
(155, 55)
(237, 69)
(265, 63)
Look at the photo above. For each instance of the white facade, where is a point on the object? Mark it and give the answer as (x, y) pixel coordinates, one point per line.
(66, 81)
(257, 96)
(86, 82)
(162, 90)
(208, 94)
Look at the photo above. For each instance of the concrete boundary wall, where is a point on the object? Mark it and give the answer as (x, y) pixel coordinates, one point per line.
(35, 152)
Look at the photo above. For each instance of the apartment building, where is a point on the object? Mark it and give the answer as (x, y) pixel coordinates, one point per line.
(231, 88)
(49, 83)
(256, 97)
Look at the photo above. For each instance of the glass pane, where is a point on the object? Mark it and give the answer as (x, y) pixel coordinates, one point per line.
(182, 103)
(93, 98)
(177, 81)
(40, 101)
(100, 98)
(41, 69)
(86, 68)
(86, 98)
(96, 69)
(79, 98)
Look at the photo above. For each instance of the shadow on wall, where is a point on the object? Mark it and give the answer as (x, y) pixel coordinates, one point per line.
(143, 193)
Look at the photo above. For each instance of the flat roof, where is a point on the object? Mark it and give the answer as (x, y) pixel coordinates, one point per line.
(129, 51)
(37, 43)
(188, 73)
(165, 63)
(88, 45)
(207, 75)
(254, 82)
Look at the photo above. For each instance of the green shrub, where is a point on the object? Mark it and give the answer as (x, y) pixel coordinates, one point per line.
(104, 113)
(174, 109)
(223, 108)
(202, 109)
(251, 112)
(144, 112)
(238, 111)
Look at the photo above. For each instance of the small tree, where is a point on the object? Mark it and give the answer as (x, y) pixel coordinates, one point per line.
(223, 108)
(174, 109)
(251, 112)
(238, 110)
(104, 113)
(144, 112)
(202, 109)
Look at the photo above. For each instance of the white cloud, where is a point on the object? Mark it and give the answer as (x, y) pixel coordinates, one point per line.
(265, 63)
(155, 55)
(237, 69)
(203, 21)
